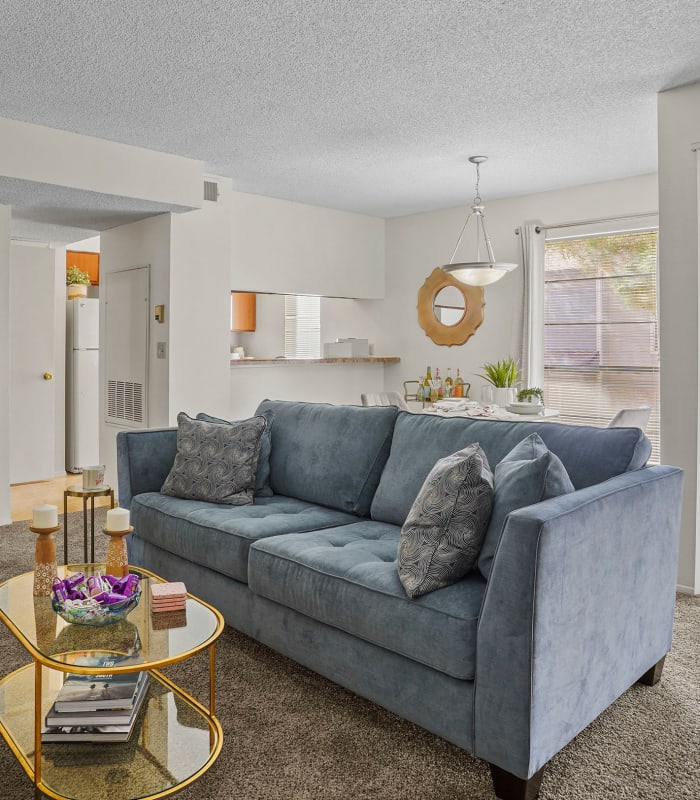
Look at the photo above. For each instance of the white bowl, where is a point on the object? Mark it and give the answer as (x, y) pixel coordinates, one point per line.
(525, 408)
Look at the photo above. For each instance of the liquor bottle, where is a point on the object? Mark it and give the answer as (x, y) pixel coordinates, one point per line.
(427, 384)
(459, 385)
(449, 384)
(440, 391)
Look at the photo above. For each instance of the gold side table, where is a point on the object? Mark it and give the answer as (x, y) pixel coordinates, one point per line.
(86, 494)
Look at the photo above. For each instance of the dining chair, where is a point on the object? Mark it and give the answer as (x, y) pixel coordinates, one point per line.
(384, 399)
(631, 418)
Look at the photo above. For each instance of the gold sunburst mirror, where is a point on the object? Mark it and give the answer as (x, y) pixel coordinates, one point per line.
(449, 311)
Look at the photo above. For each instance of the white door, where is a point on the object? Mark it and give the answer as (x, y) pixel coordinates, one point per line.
(32, 393)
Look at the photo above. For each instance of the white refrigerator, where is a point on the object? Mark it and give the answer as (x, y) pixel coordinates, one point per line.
(82, 383)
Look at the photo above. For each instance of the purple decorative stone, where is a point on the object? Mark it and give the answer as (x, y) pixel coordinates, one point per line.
(107, 598)
(74, 580)
(59, 592)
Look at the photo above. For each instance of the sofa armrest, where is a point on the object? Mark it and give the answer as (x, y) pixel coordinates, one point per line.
(579, 605)
(144, 459)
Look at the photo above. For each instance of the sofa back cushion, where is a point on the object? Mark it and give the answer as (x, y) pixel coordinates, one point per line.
(590, 455)
(326, 454)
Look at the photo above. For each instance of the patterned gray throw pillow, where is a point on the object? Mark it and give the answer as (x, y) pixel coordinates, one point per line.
(445, 527)
(262, 473)
(215, 462)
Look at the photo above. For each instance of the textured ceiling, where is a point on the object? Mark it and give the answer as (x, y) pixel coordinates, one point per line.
(365, 105)
(61, 214)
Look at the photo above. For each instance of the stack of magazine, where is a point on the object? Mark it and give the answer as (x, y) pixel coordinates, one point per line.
(97, 708)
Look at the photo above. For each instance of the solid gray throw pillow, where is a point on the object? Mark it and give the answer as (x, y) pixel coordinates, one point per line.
(262, 473)
(215, 462)
(445, 527)
(528, 474)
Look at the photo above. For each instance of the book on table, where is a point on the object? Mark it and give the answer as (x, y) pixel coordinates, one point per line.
(96, 708)
(103, 716)
(114, 691)
(87, 733)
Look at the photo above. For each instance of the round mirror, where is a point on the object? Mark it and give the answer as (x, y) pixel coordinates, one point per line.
(449, 306)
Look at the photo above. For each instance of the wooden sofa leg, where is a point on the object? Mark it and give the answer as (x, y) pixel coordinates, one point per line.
(509, 787)
(652, 676)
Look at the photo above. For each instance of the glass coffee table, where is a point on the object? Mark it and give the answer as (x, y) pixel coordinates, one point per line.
(176, 738)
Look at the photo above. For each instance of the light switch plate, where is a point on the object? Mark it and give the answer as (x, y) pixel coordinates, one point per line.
(161, 350)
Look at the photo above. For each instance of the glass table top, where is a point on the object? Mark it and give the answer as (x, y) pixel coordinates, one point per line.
(172, 744)
(152, 639)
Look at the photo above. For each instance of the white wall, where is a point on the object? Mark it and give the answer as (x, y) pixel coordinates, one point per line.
(90, 245)
(679, 128)
(292, 248)
(136, 245)
(4, 365)
(47, 155)
(279, 247)
(337, 383)
(316, 383)
(417, 244)
(200, 308)
(59, 359)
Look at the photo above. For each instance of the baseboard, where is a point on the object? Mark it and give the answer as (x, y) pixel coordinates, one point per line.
(687, 590)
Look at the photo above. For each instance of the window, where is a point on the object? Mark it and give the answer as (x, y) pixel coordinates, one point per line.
(601, 346)
(302, 326)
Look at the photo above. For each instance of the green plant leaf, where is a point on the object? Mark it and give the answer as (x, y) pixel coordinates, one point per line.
(502, 373)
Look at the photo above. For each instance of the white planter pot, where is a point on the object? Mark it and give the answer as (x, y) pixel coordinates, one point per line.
(503, 396)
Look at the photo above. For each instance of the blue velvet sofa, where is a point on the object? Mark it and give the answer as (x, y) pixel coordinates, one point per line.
(578, 605)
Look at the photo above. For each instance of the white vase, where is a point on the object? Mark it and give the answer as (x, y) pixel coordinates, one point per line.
(503, 395)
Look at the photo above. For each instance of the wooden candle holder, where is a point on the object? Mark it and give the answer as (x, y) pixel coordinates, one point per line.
(117, 561)
(45, 566)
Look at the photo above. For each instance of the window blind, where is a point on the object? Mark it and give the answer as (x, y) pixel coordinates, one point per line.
(601, 329)
(302, 326)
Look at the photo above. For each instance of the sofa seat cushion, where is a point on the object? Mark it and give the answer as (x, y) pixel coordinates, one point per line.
(219, 537)
(346, 577)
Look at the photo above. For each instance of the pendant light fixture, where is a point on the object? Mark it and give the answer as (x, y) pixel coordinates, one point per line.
(478, 272)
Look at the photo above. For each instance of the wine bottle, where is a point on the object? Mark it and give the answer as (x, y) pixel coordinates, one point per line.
(449, 384)
(440, 391)
(459, 385)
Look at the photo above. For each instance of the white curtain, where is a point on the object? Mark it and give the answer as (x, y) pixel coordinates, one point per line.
(532, 353)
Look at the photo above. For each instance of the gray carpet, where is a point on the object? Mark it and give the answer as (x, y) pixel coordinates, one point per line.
(289, 733)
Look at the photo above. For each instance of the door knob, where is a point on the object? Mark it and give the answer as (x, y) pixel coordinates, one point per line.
(48, 376)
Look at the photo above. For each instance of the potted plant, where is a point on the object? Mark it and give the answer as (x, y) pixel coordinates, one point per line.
(502, 375)
(531, 395)
(77, 282)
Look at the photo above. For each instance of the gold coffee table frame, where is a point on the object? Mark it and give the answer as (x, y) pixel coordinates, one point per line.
(32, 629)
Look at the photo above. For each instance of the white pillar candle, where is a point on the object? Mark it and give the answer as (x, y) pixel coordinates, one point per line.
(117, 519)
(45, 516)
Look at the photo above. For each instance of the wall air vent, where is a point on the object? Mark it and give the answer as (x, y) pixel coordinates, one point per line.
(211, 191)
(124, 401)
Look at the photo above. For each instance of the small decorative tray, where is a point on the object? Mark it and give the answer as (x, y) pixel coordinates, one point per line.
(99, 600)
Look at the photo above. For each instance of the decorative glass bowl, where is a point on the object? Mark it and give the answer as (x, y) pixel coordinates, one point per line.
(96, 614)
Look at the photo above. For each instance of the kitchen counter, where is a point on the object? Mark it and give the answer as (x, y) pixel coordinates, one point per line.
(305, 362)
